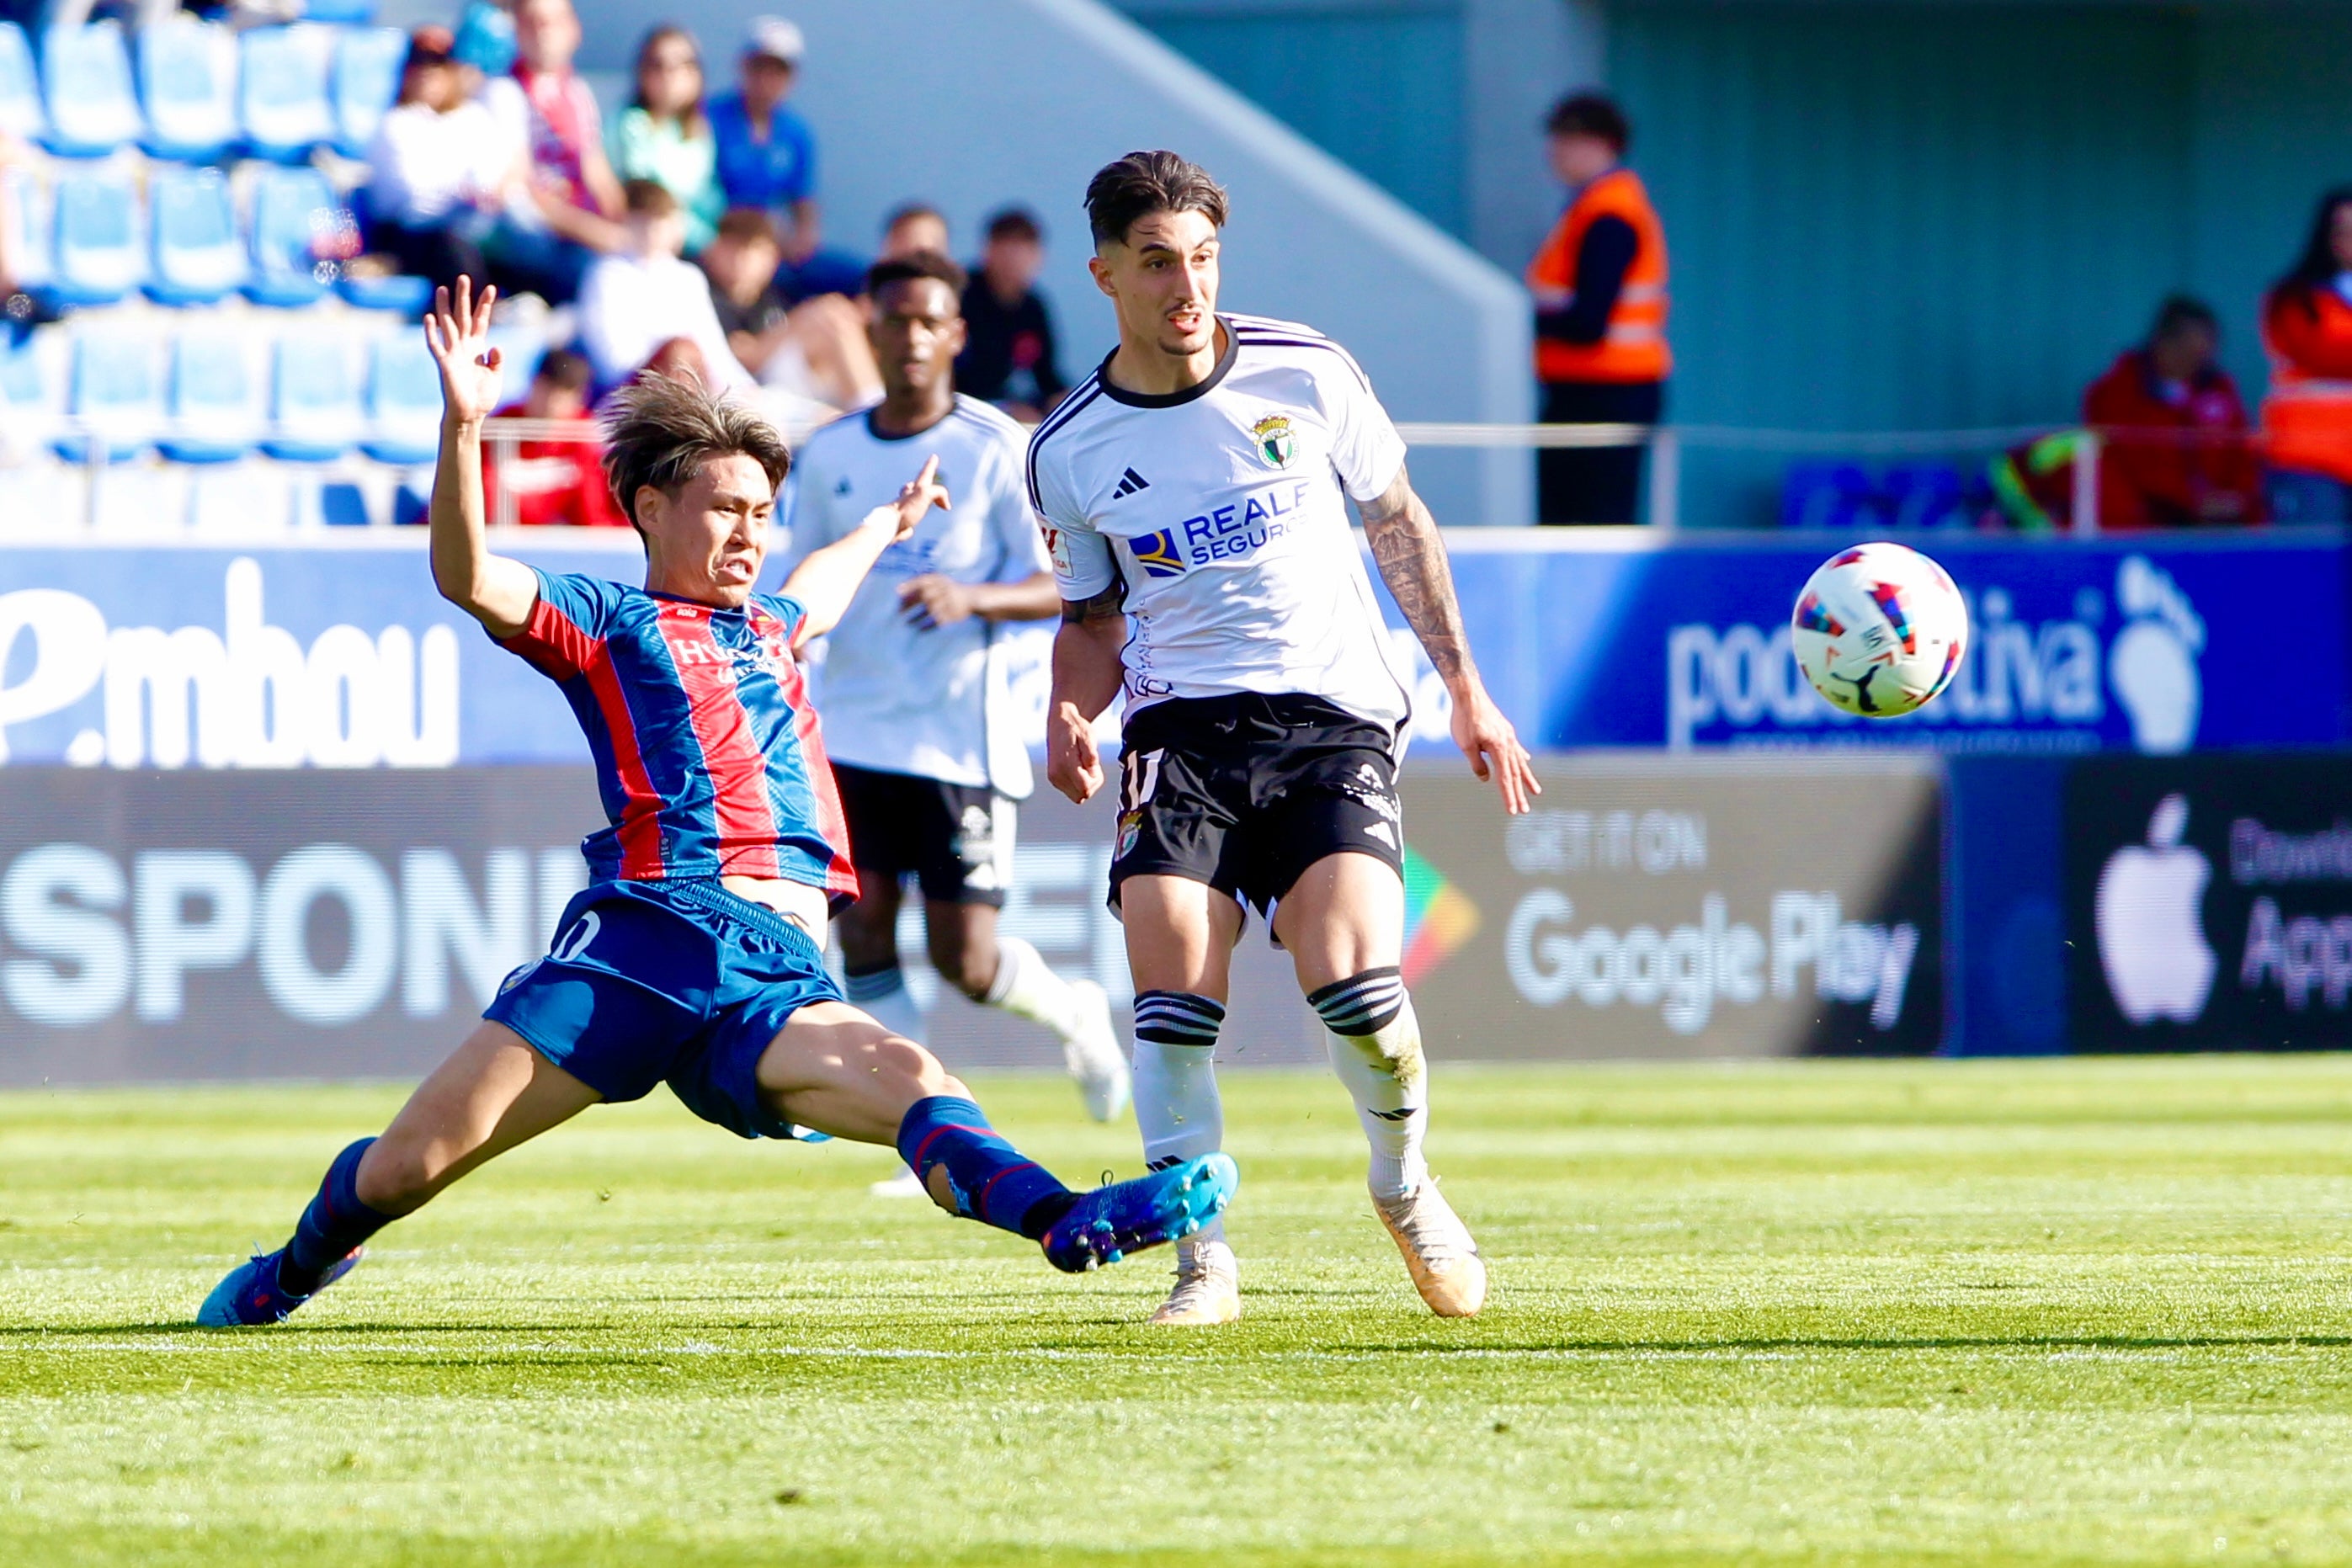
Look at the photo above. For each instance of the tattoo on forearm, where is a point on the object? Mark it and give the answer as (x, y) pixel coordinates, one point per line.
(1101, 607)
(1412, 560)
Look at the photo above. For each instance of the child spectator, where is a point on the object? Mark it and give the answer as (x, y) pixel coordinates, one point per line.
(816, 350)
(574, 197)
(2176, 451)
(1008, 354)
(916, 229)
(2308, 328)
(440, 168)
(553, 482)
(637, 298)
(664, 136)
(767, 159)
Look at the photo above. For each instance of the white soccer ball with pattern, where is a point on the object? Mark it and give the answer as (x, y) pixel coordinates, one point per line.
(1879, 630)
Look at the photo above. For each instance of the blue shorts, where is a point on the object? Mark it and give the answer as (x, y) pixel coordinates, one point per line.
(669, 982)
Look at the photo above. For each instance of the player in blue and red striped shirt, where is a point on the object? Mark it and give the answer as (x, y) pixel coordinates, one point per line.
(695, 955)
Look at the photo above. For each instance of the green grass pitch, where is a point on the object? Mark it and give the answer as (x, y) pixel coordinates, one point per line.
(2024, 1312)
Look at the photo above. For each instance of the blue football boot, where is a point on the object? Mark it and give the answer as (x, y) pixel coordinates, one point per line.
(1107, 1224)
(252, 1296)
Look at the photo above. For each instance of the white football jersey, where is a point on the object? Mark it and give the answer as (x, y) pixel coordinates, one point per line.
(1224, 509)
(896, 698)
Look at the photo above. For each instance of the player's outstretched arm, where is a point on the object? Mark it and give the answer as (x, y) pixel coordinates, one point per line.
(1086, 676)
(493, 590)
(827, 579)
(1411, 559)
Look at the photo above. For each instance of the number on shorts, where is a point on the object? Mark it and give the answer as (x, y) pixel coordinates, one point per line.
(570, 945)
(1139, 778)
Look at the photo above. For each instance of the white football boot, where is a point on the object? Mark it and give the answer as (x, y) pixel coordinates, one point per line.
(1438, 1251)
(1208, 1287)
(1094, 1057)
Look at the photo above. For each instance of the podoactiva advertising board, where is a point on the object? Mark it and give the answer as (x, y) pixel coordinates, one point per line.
(1679, 907)
(2209, 903)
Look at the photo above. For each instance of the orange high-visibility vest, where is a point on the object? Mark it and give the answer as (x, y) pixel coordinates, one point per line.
(2308, 417)
(1634, 347)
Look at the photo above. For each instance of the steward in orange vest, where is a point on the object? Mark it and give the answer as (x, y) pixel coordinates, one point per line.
(2308, 417)
(1599, 287)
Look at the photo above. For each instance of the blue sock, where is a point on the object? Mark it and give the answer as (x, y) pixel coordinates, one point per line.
(990, 1179)
(335, 1222)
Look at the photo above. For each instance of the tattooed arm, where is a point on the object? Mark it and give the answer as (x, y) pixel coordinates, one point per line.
(1411, 559)
(1086, 676)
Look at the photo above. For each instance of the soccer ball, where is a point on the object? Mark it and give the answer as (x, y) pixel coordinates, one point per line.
(1880, 629)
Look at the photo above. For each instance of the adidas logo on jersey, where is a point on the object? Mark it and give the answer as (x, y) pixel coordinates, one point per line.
(1129, 484)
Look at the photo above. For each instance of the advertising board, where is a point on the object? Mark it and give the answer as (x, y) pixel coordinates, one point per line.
(2209, 903)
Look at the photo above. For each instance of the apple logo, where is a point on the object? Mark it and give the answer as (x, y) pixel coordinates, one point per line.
(2151, 943)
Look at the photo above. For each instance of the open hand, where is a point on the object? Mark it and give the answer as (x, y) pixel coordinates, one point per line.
(458, 331)
(1493, 746)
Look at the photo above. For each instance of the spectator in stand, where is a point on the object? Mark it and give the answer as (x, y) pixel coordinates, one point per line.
(2195, 462)
(679, 358)
(1008, 354)
(1599, 287)
(815, 350)
(439, 169)
(915, 228)
(767, 159)
(2307, 328)
(640, 296)
(553, 481)
(572, 205)
(664, 136)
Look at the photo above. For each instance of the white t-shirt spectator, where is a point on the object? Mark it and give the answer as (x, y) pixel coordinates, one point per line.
(629, 306)
(425, 165)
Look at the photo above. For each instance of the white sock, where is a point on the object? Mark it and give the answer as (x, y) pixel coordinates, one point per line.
(883, 996)
(1374, 1044)
(1176, 1104)
(1027, 988)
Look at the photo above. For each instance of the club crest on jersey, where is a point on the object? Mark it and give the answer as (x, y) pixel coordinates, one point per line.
(1156, 554)
(1274, 441)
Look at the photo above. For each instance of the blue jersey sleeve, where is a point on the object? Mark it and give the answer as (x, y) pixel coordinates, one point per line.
(790, 612)
(568, 623)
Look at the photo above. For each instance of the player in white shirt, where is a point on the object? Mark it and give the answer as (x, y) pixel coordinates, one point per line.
(1195, 491)
(929, 759)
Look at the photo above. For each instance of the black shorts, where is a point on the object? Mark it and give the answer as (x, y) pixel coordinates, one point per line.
(954, 839)
(1245, 792)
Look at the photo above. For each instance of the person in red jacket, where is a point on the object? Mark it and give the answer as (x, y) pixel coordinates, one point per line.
(553, 481)
(2176, 452)
(2308, 417)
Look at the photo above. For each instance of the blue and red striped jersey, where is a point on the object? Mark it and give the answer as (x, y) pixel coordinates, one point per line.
(707, 748)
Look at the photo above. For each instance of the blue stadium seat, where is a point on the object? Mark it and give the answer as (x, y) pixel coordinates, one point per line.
(282, 91)
(30, 403)
(401, 294)
(113, 396)
(314, 399)
(293, 210)
(27, 206)
(187, 80)
(352, 12)
(85, 79)
(95, 257)
(20, 86)
(198, 258)
(367, 79)
(212, 400)
(404, 401)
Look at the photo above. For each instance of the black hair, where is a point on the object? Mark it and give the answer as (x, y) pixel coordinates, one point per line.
(660, 431)
(1016, 223)
(2317, 266)
(912, 266)
(2180, 312)
(562, 368)
(693, 122)
(1591, 114)
(1133, 188)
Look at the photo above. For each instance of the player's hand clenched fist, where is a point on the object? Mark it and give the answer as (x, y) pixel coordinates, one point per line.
(1073, 766)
